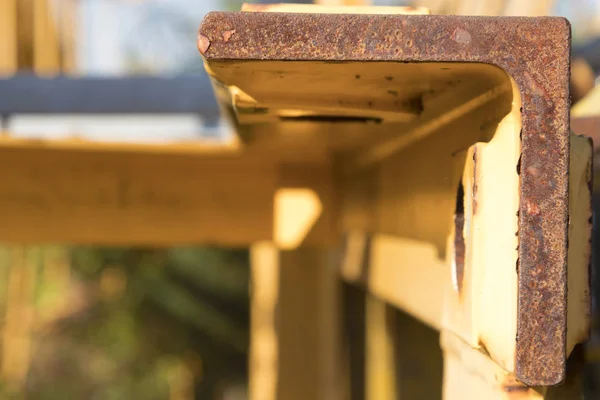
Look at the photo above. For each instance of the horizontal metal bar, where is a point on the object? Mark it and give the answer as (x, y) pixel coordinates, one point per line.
(29, 94)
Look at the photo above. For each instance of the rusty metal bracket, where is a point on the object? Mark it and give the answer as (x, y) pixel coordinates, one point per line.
(534, 52)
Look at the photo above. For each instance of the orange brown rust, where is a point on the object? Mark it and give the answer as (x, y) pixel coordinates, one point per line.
(535, 52)
(203, 44)
(228, 34)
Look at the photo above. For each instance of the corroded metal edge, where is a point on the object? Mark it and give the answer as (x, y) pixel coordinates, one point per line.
(535, 52)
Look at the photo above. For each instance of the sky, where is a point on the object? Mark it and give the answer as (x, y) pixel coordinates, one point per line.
(152, 36)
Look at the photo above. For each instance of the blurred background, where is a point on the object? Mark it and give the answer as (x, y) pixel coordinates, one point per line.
(116, 323)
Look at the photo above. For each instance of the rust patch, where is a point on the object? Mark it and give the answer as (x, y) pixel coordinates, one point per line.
(535, 52)
(461, 36)
(228, 34)
(203, 44)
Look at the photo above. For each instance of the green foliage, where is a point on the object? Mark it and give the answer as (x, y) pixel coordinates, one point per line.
(124, 341)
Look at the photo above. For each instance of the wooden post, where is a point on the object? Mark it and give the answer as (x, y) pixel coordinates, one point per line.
(294, 350)
(381, 370)
(69, 24)
(8, 37)
(46, 44)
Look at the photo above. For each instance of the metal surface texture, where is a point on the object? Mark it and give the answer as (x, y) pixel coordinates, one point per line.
(535, 52)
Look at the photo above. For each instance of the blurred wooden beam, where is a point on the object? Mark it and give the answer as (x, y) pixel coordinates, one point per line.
(528, 8)
(479, 7)
(69, 25)
(405, 273)
(344, 2)
(381, 354)
(334, 7)
(46, 42)
(582, 79)
(8, 37)
(128, 198)
(469, 374)
(589, 106)
(19, 318)
(295, 342)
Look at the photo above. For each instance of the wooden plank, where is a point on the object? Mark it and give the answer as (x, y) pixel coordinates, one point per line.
(134, 198)
(588, 106)
(69, 25)
(334, 7)
(295, 337)
(8, 37)
(479, 7)
(528, 8)
(406, 273)
(46, 41)
(69, 173)
(579, 252)
(381, 368)
(81, 144)
(264, 344)
(419, 359)
(470, 374)
(354, 341)
(314, 223)
(25, 34)
(404, 349)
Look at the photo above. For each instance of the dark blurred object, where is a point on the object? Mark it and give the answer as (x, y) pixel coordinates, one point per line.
(590, 127)
(590, 52)
(582, 79)
(24, 94)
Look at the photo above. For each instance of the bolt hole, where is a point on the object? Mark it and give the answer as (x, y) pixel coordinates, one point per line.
(458, 265)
